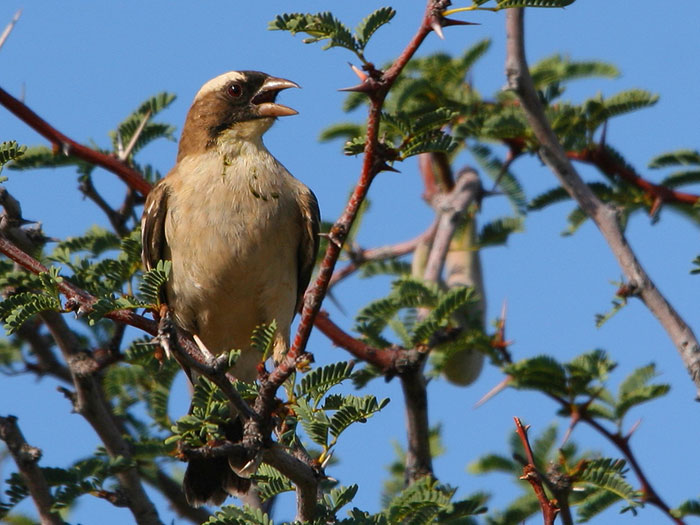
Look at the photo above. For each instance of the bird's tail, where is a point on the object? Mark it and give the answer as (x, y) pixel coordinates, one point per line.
(210, 481)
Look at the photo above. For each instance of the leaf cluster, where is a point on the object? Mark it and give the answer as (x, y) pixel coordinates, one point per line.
(326, 27)
(581, 384)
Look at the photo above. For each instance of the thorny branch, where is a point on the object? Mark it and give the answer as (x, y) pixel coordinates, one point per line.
(604, 216)
(26, 458)
(530, 474)
(622, 443)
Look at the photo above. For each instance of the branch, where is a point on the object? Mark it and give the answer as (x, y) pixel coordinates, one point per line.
(360, 256)
(600, 157)
(376, 85)
(622, 444)
(68, 146)
(305, 479)
(383, 358)
(530, 474)
(90, 402)
(451, 208)
(604, 216)
(26, 457)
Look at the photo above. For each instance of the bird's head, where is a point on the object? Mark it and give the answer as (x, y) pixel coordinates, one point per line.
(237, 104)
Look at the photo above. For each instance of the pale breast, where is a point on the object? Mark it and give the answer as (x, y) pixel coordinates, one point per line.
(237, 266)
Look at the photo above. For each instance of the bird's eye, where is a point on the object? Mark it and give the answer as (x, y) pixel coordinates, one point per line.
(235, 90)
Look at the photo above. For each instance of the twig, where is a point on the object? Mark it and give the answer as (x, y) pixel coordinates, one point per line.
(116, 219)
(622, 444)
(68, 146)
(361, 256)
(383, 358)
(530, 474)
(26, 457)
(9, 27)
(41, 347)
(604, 216)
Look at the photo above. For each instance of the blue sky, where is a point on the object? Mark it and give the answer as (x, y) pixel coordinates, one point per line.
(84, 66)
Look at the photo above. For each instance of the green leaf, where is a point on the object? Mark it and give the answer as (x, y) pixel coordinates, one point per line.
(19, 308)
(626, 102)
(320, 26)
(343, 130)
(507, 182)
(315, 422)
(354, 410)
(96, 241)
(263, 338)
(371, 23)
(434, 141)
(681, 157)
(687, 508)
(496, 232)
(43, 157)
(494, 463)
(233, 515)
(339, 497)
(386, 267)
(607, 475)
(316, 383)
(270, 482)
(455, 299)
(635, 390)
(542, 373)
(421, 502)
(10, 151)
(681, 178)
(153, 280)
(558, 69)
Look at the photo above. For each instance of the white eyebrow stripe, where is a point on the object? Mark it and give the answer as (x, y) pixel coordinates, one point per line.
(217, 83)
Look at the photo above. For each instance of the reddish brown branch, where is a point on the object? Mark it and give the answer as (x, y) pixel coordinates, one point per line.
(376, 89)
(383, 358)
(68, 146)
(530, 474)
(601, 158)
(649, 494)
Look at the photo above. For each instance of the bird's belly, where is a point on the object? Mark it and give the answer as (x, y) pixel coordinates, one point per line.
(238, 269)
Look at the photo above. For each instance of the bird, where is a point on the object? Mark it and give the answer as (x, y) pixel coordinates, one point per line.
(241, 234)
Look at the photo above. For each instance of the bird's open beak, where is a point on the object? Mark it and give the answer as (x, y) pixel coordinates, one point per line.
(264, 99)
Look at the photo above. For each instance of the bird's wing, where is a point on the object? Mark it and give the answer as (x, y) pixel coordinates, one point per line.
(308, 248)
(153, 226)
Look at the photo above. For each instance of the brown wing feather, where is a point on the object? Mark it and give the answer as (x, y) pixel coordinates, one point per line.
(153, 225)
(308, 248)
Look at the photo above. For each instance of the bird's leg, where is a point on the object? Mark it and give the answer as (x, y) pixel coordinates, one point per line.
(208, 356)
